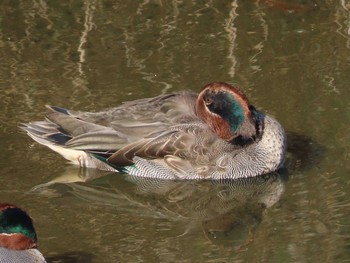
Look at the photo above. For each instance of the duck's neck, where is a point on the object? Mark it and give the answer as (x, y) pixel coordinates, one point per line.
(251, 130)
(16, 241)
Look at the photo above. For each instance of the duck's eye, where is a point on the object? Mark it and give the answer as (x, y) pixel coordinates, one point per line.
(208, 101)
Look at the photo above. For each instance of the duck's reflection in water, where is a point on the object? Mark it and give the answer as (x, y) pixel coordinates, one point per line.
(227, 212)
(229, 209)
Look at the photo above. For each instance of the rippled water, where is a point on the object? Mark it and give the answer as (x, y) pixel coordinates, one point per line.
(292, 59)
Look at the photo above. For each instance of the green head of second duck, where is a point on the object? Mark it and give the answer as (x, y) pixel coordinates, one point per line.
(16, 228)
(18, 239)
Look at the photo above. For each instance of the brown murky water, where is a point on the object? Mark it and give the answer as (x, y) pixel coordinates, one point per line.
(292, 58)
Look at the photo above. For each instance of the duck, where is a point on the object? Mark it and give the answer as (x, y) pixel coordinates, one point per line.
(216, 134)
(18, 239)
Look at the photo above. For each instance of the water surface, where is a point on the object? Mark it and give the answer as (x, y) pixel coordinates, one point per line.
(291, 58)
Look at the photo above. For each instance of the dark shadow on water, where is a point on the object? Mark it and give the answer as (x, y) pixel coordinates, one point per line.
(71, 257)
(303, 153)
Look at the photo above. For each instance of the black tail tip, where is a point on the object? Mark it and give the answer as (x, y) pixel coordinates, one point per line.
(58, 109)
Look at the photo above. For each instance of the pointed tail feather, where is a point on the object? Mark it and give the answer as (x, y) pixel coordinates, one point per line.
(51, 137)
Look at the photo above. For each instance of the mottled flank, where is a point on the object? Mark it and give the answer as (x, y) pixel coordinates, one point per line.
(216, 134)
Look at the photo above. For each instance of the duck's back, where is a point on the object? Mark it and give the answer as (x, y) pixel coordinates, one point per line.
(136, 119)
